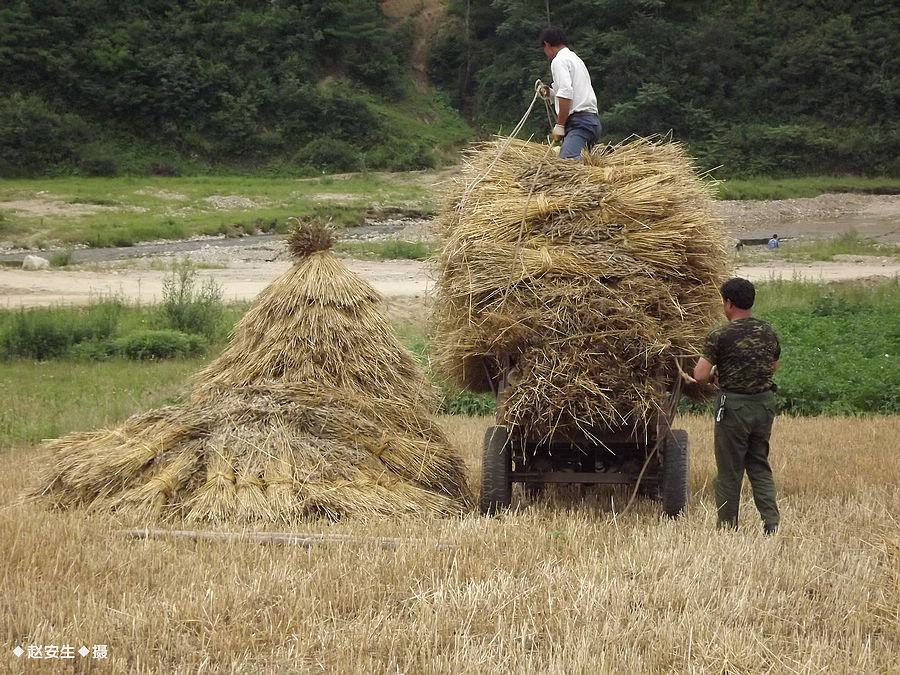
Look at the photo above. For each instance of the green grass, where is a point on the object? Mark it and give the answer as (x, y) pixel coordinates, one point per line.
(840, 346)
(390, 249)
(840, 354)
(848, 243)
(810, 186)
(131, 210)
(47, 399)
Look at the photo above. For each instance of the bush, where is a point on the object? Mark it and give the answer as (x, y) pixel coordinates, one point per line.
(158, 344)
(188, 309)
(50, 332)
(94, 350)
(100, 166)
(461, 402)
(61, 258)
(331, 154)
(36, 139)
(408, 155)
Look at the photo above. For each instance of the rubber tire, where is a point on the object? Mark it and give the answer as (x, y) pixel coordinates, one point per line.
(496, 466)
(675, 480)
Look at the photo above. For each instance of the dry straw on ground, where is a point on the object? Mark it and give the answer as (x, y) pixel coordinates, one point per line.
(559, 587)
(315, 408)
(595, 276)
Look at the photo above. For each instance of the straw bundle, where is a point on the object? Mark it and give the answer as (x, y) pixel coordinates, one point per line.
(594, 276)
(314, 409)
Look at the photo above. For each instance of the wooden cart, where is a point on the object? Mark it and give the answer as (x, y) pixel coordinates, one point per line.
(652, 455)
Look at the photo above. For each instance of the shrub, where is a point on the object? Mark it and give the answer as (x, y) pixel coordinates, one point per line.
(35, 138)
(331, 154)
(94, 350)
(61, 258)
(189, 309)
(158, 344)
(99, 166)
(50, 332)
(460, 402)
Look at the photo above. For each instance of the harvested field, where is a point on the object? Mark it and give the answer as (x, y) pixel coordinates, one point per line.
(557, 587)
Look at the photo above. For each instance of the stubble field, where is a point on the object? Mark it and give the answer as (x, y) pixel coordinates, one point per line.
(565, 585)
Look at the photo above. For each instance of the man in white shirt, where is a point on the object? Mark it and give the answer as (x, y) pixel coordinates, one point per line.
(577, 122)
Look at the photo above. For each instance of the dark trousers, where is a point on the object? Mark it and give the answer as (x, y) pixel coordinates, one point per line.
(582, 131)
(742, 444)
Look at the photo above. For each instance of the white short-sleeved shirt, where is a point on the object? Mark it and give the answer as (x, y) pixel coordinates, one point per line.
(571, 80)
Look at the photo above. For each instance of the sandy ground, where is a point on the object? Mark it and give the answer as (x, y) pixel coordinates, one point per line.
(393, 279)
(248, 269)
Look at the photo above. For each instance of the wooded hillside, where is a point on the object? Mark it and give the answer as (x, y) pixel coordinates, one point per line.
(103, 87)
(758, 87)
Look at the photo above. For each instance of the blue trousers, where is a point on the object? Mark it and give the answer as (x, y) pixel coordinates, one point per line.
(582, 131)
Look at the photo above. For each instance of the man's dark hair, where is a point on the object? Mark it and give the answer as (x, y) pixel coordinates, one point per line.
(740, 291)
(552, 36)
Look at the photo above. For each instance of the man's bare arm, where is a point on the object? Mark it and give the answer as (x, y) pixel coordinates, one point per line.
(702, 370)
(565, 105)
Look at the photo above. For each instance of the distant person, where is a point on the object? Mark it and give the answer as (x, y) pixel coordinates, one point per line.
(577, 122)
(745, 353)
(774, 242)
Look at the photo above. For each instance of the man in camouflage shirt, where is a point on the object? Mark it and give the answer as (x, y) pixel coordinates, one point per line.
(745, 353)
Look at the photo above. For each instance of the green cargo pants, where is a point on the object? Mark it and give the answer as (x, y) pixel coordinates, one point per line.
(743, 427)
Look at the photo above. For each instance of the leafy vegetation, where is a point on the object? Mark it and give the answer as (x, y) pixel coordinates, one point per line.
(104, 212)
(50, 332)
(158, 344)
(189, 308)
(90, 87)
(170, 88)
(840, 344)
(760, 88)
(389, 249)
(190, 316)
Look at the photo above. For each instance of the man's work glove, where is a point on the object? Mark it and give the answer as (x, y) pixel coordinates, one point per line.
(559, 132)
(543, 90)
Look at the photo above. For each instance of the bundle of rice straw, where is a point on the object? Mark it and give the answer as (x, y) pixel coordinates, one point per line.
(594, 276)
(314, 409)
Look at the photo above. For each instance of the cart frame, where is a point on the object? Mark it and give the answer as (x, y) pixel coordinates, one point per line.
(652, 456)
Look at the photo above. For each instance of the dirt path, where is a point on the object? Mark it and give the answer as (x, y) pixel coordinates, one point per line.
(21, 288)
(394, 279)
(248, 265)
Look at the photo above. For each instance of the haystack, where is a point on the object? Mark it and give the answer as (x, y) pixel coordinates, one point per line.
(315, 408)
(596, 277)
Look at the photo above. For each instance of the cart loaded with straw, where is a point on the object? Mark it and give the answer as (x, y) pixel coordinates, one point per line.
(574, 292)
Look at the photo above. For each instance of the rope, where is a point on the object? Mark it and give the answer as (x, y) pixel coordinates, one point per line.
(515, 131)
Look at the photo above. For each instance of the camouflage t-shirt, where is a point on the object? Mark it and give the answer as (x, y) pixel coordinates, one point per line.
(745, 351)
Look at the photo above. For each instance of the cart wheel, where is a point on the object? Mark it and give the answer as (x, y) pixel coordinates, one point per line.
(496, 462)
(676, 461)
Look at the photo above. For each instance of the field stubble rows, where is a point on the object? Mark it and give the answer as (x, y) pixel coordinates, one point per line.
(559, 586)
